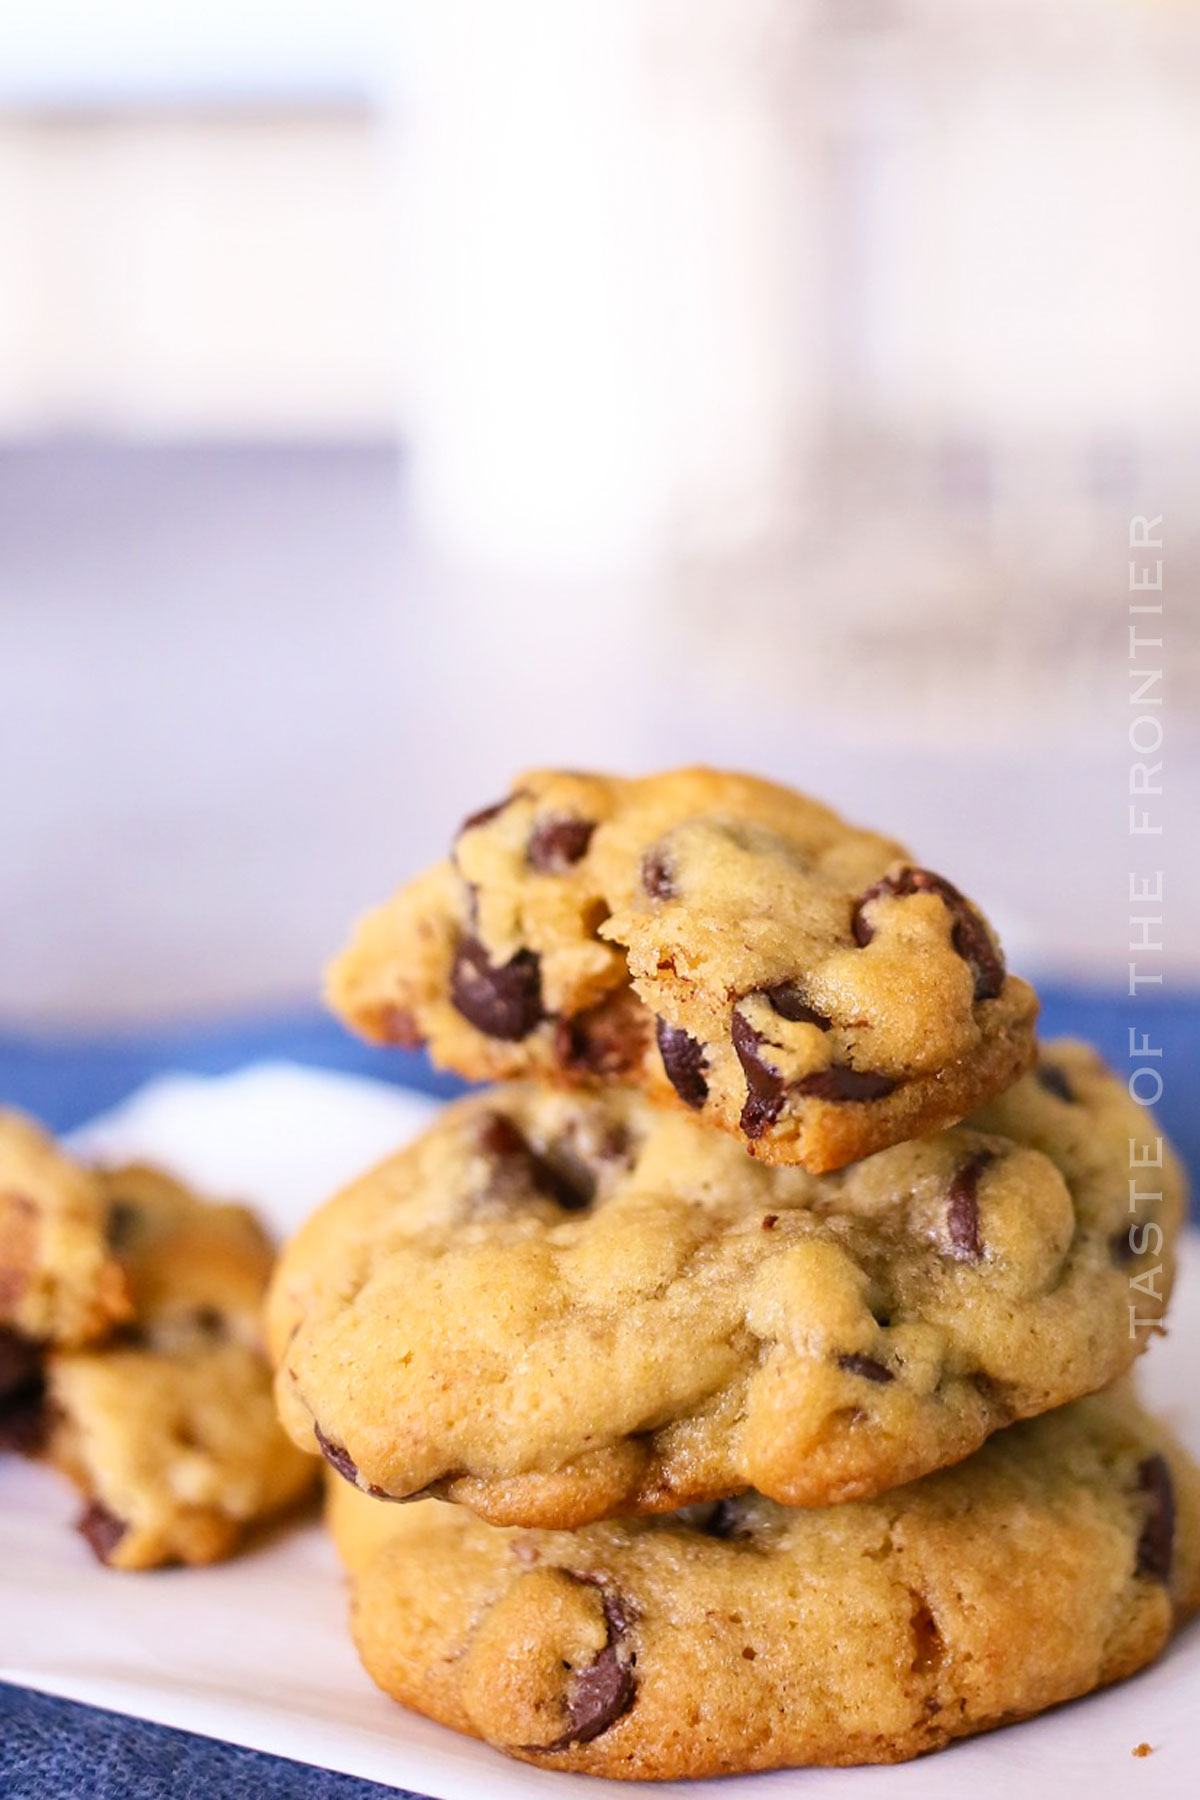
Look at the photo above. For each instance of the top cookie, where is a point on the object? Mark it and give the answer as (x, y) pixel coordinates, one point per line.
(705, 936)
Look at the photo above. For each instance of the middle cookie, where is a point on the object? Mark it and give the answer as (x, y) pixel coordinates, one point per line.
(555, 1307)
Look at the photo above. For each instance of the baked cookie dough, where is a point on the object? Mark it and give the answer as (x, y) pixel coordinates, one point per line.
(743, 1635)
(60, 1282)
(167, 1424)
(711, 938)
(557, 1306)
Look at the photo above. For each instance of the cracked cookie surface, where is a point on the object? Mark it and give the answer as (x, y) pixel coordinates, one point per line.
(744, 1636)
(557, 1306)
(714, 939)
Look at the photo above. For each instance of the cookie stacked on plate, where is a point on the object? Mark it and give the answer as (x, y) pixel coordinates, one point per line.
(695, 1337)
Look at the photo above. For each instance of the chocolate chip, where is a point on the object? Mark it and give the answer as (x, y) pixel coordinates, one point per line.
(565, 1178)
(501, 1136)
(770, 1221)
(484, 816)
(102, 1529)
(598, 1694)
(503, 1000)
(1157, 1541)
(558, 1172)
(20, 1362)
(25, 1421)
(789, 1000)
(22, 1394)
(1053, 1079)
(1120, 1245)
(337, 1456)
(838, 1082)
(606, 1040)
(962, 1210)
(765, 1086)
(657, 876)
(121, 1225)
(968, 934)
(685, 1062)
(558, 844)
(866, 1366)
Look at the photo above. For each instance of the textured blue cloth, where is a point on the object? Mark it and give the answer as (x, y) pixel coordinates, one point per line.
(55, 1750)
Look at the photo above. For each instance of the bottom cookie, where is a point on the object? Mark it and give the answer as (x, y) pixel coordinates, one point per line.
(744, 1635)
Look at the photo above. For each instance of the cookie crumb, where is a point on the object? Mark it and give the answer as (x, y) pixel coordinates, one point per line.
(1143, 1749)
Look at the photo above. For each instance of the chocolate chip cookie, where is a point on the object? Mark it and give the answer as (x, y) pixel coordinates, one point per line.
(743, 1635)
(711, 938)
(556, 1306)
(167, 1424)
(60, 1282)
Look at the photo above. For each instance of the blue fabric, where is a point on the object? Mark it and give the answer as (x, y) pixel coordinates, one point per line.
(56, 1750)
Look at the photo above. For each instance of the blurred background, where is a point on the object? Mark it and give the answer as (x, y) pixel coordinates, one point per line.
(394, 395)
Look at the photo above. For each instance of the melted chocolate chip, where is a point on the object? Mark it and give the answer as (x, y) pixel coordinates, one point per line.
(598, 1694)
(770, 1221)
(962, 1210)
(558, 1172)
(1120, 1245)
(20, 1362)
(337, 1456)
(558, 844)
(657, 877)
(968, 934)
(765, 1086)
(608, 1039)
(789, 1000)
(121, 1225)
(565, 1178)
(503, 1000)
(1157, 1541)
(22, 1394)
(102, 1529)
(685, 1062)
(856, 1364)
(841, 1083)
(484, 816)
(1054, 1080)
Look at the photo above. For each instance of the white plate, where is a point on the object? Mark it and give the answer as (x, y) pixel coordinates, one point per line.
(256, 1651)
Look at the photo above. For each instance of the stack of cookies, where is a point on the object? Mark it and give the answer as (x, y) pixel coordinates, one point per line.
(705, 1338)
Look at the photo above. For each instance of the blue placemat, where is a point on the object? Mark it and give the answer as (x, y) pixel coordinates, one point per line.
(55, 1750)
